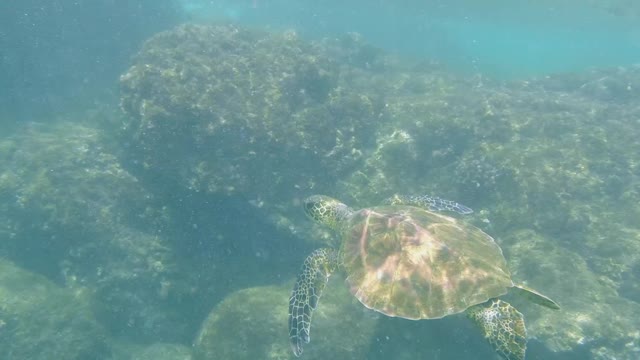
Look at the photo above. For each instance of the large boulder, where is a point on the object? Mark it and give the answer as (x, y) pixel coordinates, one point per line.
(226, 110)
(72, 212)
(252, 324)
(39, 320)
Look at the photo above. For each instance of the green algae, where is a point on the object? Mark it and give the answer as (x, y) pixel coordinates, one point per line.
(39, 320)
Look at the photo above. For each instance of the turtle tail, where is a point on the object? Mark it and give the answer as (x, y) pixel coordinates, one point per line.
(312, 280)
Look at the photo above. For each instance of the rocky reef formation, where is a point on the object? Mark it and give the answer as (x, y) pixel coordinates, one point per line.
(71, 212)
(547, 162)
(227, 128)
(228, 110)
(39, 320)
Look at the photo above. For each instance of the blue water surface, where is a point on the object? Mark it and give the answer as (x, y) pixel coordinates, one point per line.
(512, 39)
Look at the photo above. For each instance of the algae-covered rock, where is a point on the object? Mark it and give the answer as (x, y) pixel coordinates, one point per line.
(162, 351)
(72, 212)
(272, 119)
(39, 320)
(593, 318)
(126, 350)
(226, 110)
(424, 132)
(252, 324)
(59, 183)
(555, 155)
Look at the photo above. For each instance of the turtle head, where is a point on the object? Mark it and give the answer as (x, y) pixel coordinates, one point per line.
(326, 210)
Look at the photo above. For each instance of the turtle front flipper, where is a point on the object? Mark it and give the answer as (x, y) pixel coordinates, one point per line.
(312, 280)
(432, 203)
(503, 326)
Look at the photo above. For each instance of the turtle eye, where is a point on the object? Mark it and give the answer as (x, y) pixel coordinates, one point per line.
(322, 209)
(311, 207)
(308, 208)
(316, 207)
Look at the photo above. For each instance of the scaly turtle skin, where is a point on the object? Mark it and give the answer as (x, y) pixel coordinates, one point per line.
(403, 259)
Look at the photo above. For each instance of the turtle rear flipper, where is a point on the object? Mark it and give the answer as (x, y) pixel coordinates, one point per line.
(312, 280)
(503, 326)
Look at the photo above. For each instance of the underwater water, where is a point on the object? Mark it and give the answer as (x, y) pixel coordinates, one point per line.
(156, 158)
(499, 38)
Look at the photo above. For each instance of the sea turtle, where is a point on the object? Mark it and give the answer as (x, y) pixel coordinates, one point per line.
(404, 259)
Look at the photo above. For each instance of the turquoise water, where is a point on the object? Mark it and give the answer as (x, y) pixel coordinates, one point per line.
(498, 38)
(155, 158)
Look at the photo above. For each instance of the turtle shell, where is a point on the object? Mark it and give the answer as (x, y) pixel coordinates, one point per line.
(416, 264)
